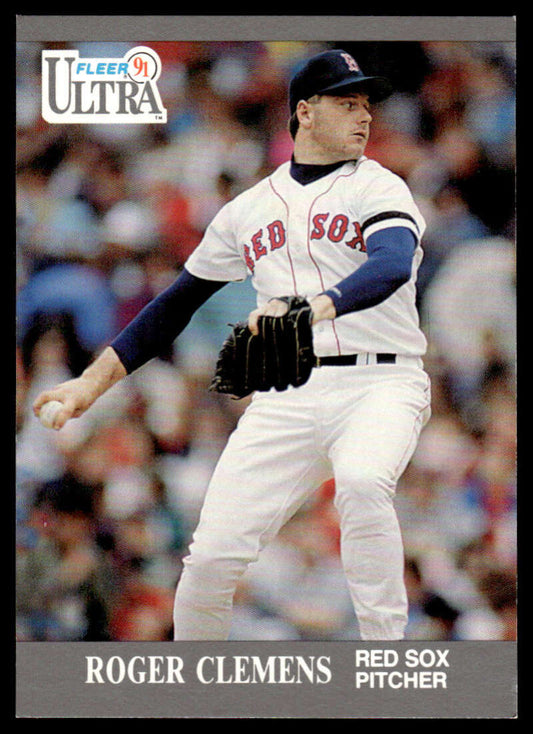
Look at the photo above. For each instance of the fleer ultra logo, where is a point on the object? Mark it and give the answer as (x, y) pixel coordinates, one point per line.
(96, 90)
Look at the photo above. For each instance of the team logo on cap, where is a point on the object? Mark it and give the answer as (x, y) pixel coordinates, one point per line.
(350, 62)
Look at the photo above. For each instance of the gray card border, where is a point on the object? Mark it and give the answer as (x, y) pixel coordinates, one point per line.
(457, 680)
(264, 27)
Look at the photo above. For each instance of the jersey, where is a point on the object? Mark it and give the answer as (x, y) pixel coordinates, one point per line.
(300, 239)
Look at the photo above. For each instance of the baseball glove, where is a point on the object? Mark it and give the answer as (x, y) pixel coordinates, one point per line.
(280, 355)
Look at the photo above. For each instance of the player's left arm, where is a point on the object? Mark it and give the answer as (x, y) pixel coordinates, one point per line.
(389, 265)
(393, 227)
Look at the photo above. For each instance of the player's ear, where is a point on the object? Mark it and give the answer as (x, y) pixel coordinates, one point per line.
(305, 113)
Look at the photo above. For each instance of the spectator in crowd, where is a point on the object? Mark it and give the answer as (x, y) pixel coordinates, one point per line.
(65, 582)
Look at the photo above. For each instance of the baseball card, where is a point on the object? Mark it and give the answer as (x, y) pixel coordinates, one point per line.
(266, 367)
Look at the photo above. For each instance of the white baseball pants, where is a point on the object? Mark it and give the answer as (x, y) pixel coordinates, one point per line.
(358, 424)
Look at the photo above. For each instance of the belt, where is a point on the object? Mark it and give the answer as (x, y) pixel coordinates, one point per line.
(354, 359)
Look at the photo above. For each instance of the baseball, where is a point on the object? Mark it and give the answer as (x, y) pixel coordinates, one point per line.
(48, 413)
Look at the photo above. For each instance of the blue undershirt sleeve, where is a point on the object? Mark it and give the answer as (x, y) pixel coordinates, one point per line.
(154, 328)
(390, 256)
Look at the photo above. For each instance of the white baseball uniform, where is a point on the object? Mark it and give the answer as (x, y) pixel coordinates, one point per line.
(359, 424)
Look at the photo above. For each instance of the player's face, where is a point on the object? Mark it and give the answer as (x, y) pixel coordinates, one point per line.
(340, 126)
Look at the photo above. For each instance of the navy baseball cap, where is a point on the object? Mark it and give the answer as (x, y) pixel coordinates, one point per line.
(335, 72)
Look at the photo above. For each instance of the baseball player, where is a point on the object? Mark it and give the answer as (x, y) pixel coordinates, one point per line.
(339, 229)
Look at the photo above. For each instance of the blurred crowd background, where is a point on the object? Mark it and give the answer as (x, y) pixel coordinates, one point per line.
(105, 218)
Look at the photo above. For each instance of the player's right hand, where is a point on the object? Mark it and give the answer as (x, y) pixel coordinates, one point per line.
(79, 393)
(75, 395)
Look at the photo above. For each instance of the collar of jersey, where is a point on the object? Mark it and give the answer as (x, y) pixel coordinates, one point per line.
(306, 173)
